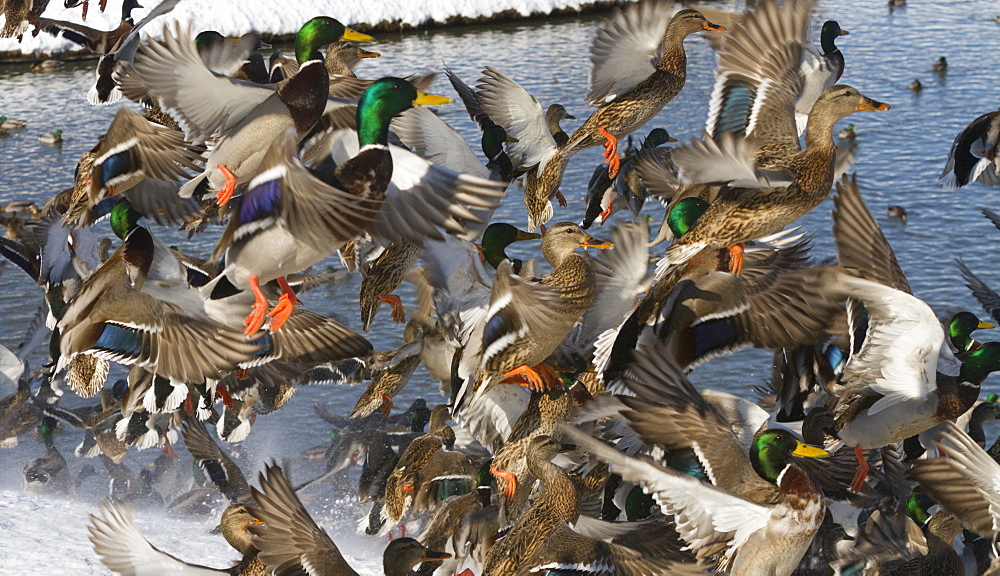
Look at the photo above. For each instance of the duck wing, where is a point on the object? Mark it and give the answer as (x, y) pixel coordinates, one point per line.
(434, 140)
(520, 114)
(216, 464)
(626, 47)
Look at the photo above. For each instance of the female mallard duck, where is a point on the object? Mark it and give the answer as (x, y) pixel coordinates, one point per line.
(542, 538)
(243, 115)
(739, 214)
(341, 57)
(382, 276)
(123, 549)
(629, 83)
(51, 138)
(758, 538)
(18, 13)
(527, 320)
(292, 217)
(555, 114)
(289, 537)
(391, 378)
(974, 154)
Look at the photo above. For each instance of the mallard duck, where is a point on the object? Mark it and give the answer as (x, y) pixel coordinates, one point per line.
(341, 57)
(628, 82)
(123, 549)
(974, 154)
(11, 124)
(960, 477)
(329, 208)
(848, 133)
(18, 13)
(605, 196)
(117, 314)
(96, 41)
(52, 138)
(169, 68)
(770, 537)
(542, 537)
(916, 86)
(527, 320)
(941, 66)
(896, 212)
(392, 377)
(382, 276)
(555, 114)
(290, 537)
(214, 462)
(960, 328)
(820, 70)
(48, 474)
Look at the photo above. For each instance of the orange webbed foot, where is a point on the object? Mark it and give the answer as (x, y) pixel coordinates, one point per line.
(223, 392)
(607, 212)
(526, 376)
(386, 405)
(226, 194)
(610, 152)
(858, 481)
(736, 259)
(396, 304)
(255, 320)
(509, 481)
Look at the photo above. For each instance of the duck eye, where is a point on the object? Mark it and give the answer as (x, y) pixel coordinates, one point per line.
(847, 92)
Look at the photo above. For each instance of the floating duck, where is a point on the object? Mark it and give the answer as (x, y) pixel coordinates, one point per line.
(941, 66)
(51, 138)
(896, 212)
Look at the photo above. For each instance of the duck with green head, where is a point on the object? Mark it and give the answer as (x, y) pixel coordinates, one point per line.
(291, 217)
(497, 237)
(206, 105)
(960, 329)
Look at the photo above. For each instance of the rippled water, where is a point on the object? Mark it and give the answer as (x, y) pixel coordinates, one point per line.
(901, 152)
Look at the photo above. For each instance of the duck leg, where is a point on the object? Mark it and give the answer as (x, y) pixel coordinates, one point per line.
(606, 212)
(610, 152)
(103, 5)
(859, 477)
(561, 199)
(736, 259)
(255, 320)
(397, 306)
(167, 448)
(509, 481)
(286, 303)
(386, 405)
(226, 194)
(528, 376)
(227, 399)
(85, 5)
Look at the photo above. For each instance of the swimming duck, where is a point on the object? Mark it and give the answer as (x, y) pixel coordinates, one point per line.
(626, 100)
(916, 86)
(48, 474)
(11, 124)
(51, 138)
(123, 549)
(896, 212)
(542, 538)
(770, 537)
(848, 133)
(290, 537)
(974, 154)
(941, 66)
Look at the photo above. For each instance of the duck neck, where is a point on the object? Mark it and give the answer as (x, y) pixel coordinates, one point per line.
(674, 59)
(373, 126)
(558, 492)
(819, 133)
(239, 538)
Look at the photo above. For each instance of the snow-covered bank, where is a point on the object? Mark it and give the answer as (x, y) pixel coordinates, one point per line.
(235, 17)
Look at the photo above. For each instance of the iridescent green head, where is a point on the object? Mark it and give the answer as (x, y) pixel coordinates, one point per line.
(918, 506)
(992, 397)
(124, 218)
(207, 39)
(323, 31)
(960, 328)
(493, 139)
(684, 214)
(980, 363)
(384, 99)
(497, 237)
(773, 449)
(638, 504)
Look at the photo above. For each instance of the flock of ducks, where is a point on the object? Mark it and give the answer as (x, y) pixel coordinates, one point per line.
(577, 443)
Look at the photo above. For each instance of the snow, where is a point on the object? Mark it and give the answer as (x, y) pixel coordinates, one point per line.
(234, 17)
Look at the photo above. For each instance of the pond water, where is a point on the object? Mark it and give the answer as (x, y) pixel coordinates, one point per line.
(900, 155)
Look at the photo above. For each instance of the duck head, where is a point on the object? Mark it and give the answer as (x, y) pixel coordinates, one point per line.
(236, 519)
(322, 31)
(689, 21)
(980, 363)
(837, 102)
(497, 237)
(772, 451)
(960, 328)
(124, 218)
(127, 7)
(684, 214)
(562, 238)
(828, 36)
(383, 100)
(657, 137)
(403, 554)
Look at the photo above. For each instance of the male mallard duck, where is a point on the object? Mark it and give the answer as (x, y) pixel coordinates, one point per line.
(289, 537)
(11, 124)
(292, 217)
(848, 133)
(820, 70)
(961, 477)
(628, 82)
(96, 41)
(170, 68)
(960, 329)
(757, 538)
(214, 462)
(123, 549)
(941, 66)
(542, 538)
(51, 138)
(974, 154)
(47, 474)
